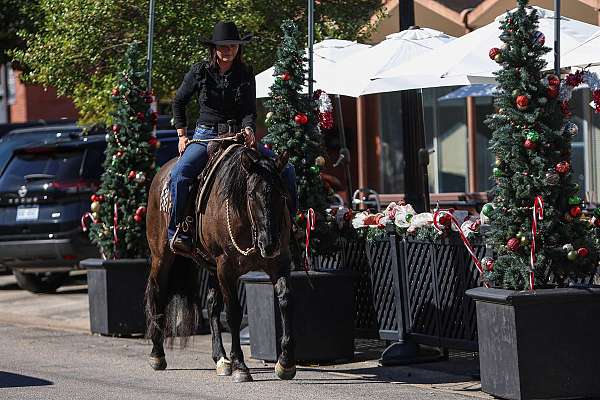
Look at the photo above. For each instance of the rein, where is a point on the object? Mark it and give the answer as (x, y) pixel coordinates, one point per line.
(249, 250)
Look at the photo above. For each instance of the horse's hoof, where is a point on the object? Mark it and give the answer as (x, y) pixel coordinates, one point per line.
(241, 376)
(223, 367)
(158, 363)
(285, 373)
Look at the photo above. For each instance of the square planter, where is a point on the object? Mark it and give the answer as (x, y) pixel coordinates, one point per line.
(539, 345)
(116, 295)
(322, 319)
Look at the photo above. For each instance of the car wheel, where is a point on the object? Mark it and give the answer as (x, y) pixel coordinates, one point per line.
(42, 282)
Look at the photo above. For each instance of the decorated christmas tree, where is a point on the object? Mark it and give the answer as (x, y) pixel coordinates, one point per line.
(118, 209)
(538, 231)
(292, 122)
(293, 126)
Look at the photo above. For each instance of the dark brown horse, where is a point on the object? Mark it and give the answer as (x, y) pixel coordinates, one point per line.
(246, 227)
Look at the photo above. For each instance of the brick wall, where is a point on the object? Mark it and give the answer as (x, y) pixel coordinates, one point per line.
(34, 102)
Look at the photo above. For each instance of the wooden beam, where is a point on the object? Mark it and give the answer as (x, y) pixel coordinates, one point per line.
(471, 145)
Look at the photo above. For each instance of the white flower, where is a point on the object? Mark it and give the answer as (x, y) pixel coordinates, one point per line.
(404, 214)
(421, 220)
(359, 220)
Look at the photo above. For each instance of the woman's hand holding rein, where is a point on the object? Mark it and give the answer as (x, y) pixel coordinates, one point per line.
(183, 139)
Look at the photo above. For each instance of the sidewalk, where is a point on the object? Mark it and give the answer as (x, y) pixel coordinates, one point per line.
(66, 315)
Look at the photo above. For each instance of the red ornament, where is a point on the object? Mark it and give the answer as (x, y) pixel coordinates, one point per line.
(141, 116)
(94, 197)
(445, 219)
(513, 244)
(119, 153)
(285, 76)
(140, 210)
(575, 211)
(553, 80)
(101, 198)
(529, 145)
(131, 175)
(494, 51)
(488, 263)
(522, 102)
(154, 117)
(583, 252)
(138, 218)
(153, 141)
(116, 128)
(148, 99)
(552, 92)
(301, 119)
(562, 167)
(115, 92)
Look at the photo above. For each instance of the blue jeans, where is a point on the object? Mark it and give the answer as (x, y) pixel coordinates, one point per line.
(190, 165)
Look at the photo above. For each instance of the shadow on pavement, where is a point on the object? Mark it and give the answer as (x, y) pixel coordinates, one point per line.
(10, 380)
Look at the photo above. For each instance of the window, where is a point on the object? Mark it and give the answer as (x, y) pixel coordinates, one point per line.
(61, 165)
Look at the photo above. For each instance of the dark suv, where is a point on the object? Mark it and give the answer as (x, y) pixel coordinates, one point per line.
(45, 188)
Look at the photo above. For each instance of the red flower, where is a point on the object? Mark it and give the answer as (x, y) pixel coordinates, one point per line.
(553, 80)
(575, 79)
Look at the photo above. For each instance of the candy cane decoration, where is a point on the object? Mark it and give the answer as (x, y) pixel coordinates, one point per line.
(84, 217)
(466, 241)
(310, 226)
(115, 223)
(538, 214)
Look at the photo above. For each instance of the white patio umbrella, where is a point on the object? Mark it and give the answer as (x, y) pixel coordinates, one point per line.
(326, 55)
(465, 61)
(353, 74)
(588, 53)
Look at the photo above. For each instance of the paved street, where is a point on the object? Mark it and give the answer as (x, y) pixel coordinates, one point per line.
(46, 352)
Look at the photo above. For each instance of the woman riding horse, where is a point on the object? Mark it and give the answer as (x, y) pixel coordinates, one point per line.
(226, 92)
(246, 223)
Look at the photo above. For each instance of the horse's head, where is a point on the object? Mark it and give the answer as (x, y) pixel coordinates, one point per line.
(267, 200)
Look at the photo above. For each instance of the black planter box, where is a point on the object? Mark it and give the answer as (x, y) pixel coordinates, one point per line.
(323, 318)
(539, 345)
(116, 295)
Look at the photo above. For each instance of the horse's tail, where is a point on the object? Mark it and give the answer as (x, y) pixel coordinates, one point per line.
(183, 311)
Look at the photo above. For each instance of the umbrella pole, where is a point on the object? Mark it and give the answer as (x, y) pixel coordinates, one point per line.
(150, 43)
(557, 37)
(344, 152)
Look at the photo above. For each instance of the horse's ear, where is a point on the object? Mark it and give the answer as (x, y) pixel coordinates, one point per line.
(282, 161)
(247, 162)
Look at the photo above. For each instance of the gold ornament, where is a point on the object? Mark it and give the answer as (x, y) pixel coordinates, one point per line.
(320, 161)
(95, 206)
(95, 216)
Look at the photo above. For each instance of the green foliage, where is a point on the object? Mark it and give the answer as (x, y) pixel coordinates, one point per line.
(16, 16)
(129, 166)
(78, 43)
(522, 174)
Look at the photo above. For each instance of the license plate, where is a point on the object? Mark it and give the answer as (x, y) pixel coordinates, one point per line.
(28, 213)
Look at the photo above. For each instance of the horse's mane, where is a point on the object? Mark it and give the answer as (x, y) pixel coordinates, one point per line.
(231, 178)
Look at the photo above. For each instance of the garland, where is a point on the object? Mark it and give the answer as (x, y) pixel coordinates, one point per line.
(572, 81)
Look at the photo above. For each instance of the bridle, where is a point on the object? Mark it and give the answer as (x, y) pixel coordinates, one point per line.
(254, 230)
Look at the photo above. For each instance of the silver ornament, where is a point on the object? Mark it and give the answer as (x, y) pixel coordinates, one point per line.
(542, 100)
(571, 128)
(140, 177)
(107, 137)
(568, 247)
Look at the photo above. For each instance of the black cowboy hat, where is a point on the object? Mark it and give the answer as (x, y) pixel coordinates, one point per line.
(226, 33)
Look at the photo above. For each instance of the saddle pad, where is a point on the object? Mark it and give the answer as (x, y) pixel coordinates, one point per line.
(165, 197)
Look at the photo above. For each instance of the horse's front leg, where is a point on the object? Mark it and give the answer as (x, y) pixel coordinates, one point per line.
(214, 307)
(241, 373)
(286, 364)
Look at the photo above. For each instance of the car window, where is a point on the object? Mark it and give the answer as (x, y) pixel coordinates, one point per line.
(63, 165)
(93, 166)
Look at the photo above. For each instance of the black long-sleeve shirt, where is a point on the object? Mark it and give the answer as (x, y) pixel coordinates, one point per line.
(231, 96)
